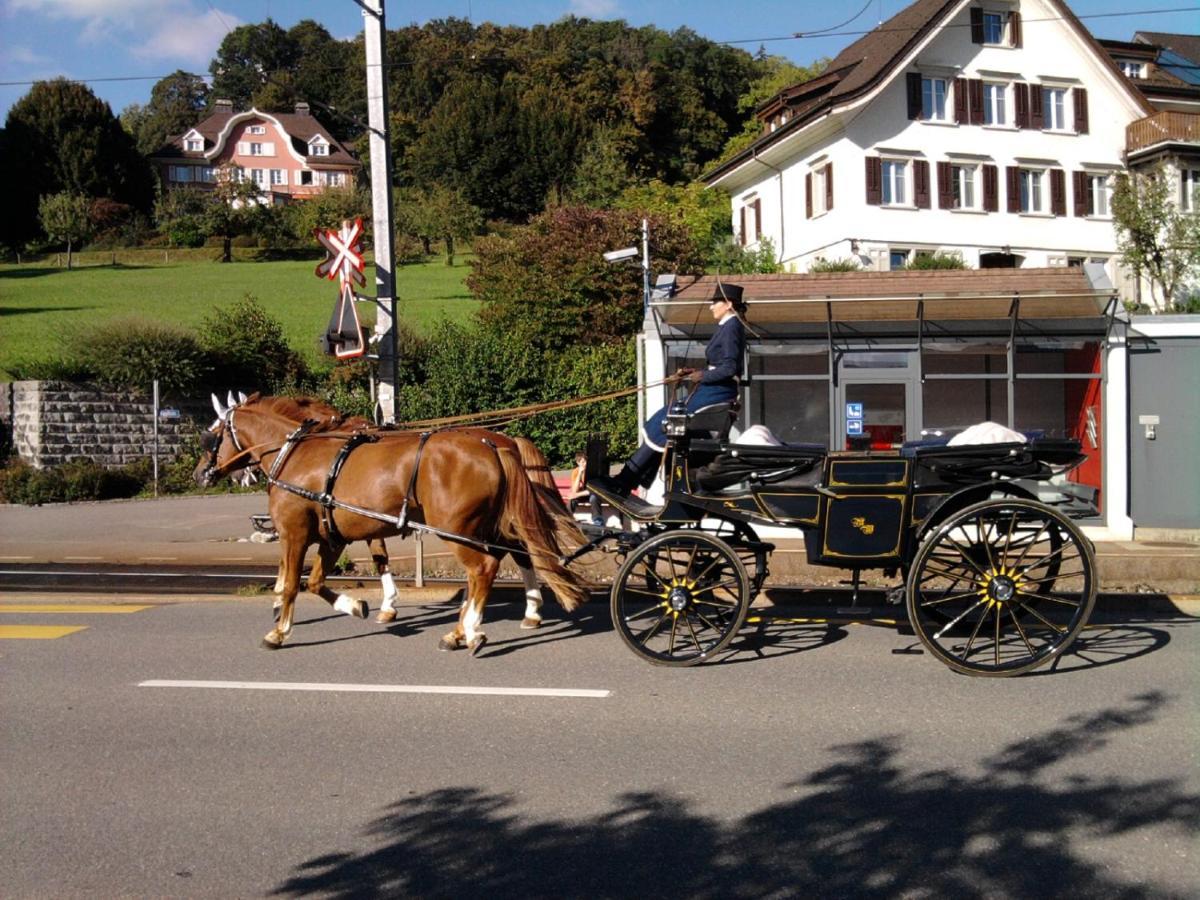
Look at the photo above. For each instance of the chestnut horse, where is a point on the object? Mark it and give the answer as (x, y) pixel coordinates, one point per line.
(536, 465)
(466, 485)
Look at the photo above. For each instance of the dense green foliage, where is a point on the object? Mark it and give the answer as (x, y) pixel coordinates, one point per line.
(65, 217)
(61, 137)
(932, 261)
(177, 102)
(1157, 239)
(78, 480)
(245, 346)
(132, 353)
(838, 264)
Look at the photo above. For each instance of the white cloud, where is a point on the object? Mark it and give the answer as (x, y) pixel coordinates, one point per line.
(193, 39)
(594, 9)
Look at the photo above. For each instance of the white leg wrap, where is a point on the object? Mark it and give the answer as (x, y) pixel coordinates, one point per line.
(389, 591)
(344, 604)
(533, 605)
(472, 619)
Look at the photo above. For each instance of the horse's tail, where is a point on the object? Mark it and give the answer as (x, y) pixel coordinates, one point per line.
(524, 519)
(537, 467)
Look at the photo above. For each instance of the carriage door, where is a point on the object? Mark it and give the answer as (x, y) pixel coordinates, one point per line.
(877, 400)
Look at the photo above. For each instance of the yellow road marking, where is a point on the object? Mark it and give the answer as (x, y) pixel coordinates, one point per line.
(102, 608)
(37, 632)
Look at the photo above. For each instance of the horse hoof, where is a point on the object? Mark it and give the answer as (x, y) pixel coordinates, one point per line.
(268, 644)
(529, 624)
(385, 616)
(361, 609)
(476, 644)
(448, 644)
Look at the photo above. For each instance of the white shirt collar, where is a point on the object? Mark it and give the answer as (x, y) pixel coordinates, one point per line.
(725, 318)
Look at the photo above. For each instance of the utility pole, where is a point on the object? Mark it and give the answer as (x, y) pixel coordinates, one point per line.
(375, 40)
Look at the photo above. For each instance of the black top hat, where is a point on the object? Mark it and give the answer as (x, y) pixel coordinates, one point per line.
(730, 292)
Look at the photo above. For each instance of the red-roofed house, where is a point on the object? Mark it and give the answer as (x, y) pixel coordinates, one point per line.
(290, 156)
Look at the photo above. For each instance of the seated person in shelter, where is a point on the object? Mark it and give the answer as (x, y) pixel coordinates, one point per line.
(579, 492)
(716, 383)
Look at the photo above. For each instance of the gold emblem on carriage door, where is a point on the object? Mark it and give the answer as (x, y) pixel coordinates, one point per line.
(862, 525)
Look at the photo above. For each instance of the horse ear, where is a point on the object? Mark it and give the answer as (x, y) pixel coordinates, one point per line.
(242, 398)
(220, 410)
(230, 400)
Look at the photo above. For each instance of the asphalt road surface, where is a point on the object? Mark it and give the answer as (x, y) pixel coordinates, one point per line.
(158, 751)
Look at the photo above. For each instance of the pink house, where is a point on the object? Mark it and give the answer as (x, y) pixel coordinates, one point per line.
(290, 156)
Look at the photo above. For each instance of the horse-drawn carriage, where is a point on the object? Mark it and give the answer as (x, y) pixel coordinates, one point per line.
(995, 581)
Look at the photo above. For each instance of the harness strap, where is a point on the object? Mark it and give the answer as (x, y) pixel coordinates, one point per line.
(335, 469)
(288, 445)
(411, 492)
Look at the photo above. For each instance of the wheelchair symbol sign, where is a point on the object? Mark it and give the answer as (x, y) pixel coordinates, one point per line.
(854, 410)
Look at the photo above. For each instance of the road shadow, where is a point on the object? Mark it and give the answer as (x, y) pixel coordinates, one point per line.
(866, 825)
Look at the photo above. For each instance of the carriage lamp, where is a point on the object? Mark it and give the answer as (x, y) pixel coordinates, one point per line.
(677, 417)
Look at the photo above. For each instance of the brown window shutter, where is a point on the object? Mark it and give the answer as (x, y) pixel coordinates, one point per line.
(828, 186)
(991, 189)
(1079, 187)
(1014, 28)
(961, 115)
(1058, 192)
(808, 196)
(742, 226)
(945, 186)
(976, 25)
(1079, 101)
(874, 180)
(1021, 96)
(1013, 187)
(914, 95)
(1037, 110)
(976, 89)
(757, 220)
(921, 183)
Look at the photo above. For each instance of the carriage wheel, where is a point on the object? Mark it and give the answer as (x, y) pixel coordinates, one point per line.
(680, 598)
(737, 535)
(1001, 587)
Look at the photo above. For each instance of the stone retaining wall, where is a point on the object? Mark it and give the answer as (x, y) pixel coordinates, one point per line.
(52, 422)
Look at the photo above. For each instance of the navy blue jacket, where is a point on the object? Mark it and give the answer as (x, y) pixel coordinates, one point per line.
(724, 354)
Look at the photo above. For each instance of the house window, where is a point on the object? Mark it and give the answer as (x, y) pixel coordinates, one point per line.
(993, 104)
(318, 148)
(897, 259)
(1054, 109)
(193, 145)
(818, 191)
(256, 129)
(306, 177)
(207, 174)
(895, 174)
(933, 99)
(258, 176)
(1132, 69)
(181, 174)
(1189, 184)
(1030, 186)
(256, 149)
(1097, 191)
(993, 27)
(278, 176)
(962, 187)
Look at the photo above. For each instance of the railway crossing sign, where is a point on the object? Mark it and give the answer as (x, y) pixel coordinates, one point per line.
(343, 260)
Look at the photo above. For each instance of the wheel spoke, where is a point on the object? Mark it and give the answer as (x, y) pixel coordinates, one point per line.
(1021, 631)
(975, 633)
(648, 611)
(692, 631)
(1046, 559)
(638, 590)
(941, 600)
(1008, 539)
(653, 574)
(984, 536)
(965, 575)
(996, 644)
(1051, 598)
(958, 618)
(653, 629)
(1033, 543)
(712, 601)
(1029, 609)
(671, 641)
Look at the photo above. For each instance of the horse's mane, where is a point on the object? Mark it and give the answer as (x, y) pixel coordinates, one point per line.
(301, 408)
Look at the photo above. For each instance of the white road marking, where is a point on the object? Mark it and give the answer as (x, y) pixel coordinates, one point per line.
(581, 693)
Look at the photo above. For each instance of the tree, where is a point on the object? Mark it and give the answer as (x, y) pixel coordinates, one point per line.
(437, 213)
(704, 212)
(177, 102)
(65, 217)
(231, 207)
(602, 171)
(777, 75)
(61, 137)
(1155, 237)
(179, 213)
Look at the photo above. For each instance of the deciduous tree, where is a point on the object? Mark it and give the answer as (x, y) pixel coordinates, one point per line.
(1156, 238)
(65, 217)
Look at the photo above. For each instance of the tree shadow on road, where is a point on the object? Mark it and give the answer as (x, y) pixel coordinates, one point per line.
(862, 826)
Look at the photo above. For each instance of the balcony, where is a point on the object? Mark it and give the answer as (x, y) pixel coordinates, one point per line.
(1160, 128)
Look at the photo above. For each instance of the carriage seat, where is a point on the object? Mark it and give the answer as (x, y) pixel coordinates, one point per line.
(711, 422)
(779, 465)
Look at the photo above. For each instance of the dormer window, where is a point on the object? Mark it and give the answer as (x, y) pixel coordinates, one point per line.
(318, 146)
(1132, 69)
(256, 129)
(193, 142)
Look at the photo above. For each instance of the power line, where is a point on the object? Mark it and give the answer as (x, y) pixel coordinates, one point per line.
(500, 57)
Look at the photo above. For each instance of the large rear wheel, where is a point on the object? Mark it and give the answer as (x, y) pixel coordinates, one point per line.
(680, 598)
(1001, 587)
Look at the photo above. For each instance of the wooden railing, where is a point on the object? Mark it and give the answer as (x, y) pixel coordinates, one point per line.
(1160, 127)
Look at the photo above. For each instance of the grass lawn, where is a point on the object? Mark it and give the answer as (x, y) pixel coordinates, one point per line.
(40, 305)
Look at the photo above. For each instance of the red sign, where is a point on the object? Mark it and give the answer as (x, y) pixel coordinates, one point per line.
(344, 253)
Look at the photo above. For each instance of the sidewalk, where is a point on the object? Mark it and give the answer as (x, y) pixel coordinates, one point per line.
(215, 531)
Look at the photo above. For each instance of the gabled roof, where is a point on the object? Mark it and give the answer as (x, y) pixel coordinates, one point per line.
(1186, 45)
(300, 129)
(874, 58)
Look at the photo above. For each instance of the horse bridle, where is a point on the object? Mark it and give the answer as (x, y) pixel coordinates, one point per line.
(210, 442)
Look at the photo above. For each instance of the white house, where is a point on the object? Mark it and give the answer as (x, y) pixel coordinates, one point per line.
(987, 128)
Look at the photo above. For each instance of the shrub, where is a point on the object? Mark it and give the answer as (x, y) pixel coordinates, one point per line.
(729, 258)
(932, 261)
(73, 481)
(131, 353)
(248, 349)
(846, 264)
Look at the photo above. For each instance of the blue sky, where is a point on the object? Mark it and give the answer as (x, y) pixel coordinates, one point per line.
(139, 41)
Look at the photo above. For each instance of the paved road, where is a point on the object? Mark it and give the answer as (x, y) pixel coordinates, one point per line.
(811, 761)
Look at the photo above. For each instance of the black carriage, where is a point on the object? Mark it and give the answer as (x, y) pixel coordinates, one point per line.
(995, 582)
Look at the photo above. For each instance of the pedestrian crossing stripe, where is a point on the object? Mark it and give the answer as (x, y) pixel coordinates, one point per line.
(37, 632)
(86, 608)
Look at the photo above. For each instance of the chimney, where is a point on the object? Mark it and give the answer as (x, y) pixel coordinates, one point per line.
(302, 109)
(223, 106)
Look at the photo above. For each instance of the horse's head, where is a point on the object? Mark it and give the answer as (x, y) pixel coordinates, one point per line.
(221, 452)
